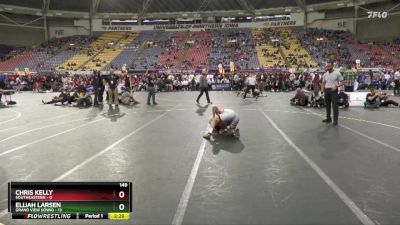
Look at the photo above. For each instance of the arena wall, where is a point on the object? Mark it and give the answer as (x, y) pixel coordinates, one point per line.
(21, 36)
(379, 29)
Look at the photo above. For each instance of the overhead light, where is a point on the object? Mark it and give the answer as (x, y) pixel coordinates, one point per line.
(288, 10)
(39, 14)
(9, 9)
(184, 14)
(240, 13)
(49, 14)
(340, 4)
(58, 14)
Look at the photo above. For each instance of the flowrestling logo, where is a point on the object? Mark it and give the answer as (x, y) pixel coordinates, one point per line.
(380, 15)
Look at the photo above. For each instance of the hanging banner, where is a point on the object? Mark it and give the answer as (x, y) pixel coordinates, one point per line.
(199, 27)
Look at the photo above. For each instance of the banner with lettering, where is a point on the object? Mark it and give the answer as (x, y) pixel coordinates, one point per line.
(198, 27)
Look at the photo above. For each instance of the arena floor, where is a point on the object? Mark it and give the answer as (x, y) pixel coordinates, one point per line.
(287, 168)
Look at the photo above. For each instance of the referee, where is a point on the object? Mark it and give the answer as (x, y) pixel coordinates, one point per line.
(331, 81)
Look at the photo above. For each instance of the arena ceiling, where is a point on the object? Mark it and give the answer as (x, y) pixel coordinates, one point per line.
(158, 5)
(168, 8)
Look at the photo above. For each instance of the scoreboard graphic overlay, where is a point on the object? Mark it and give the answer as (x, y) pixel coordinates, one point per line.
(70, 200)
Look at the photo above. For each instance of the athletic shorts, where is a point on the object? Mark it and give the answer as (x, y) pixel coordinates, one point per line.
(234, 122)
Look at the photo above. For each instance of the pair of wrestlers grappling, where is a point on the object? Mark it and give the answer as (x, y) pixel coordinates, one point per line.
(223, 122)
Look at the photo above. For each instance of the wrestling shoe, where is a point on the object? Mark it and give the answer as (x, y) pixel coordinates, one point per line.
(207, 136)
(237, 133)
(327, 121)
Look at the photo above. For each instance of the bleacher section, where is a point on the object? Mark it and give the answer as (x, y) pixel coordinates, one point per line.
(172, 56)
(198, 52)
(268, 54)
(130, 50)
(95, 48)
(325, 45)
(245, 55)
(248, 48)
(372, 54)
(220, 53)
(233, 45)
(110, 51)
(291, 48)
(16, 61)
(150, 57)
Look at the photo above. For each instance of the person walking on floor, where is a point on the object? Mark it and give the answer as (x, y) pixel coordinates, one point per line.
(331, 81)
(203, 84)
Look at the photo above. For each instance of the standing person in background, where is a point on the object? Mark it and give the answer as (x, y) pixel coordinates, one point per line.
(127, 80)
(203, 84)
(112, 82)
(396, 89)
(2, 86)
(102, 88)
(151, 81)
(96, 87)
(331, 81)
